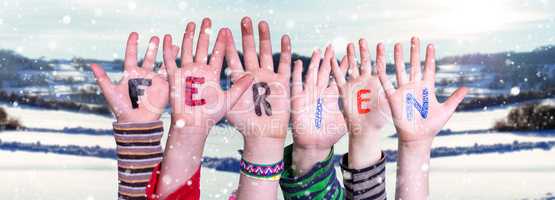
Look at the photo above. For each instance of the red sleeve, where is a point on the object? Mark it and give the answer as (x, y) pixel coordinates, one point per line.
(189, 191)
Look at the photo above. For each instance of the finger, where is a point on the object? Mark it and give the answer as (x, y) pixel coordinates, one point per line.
(175, 50)
(455, 99)
(217, 57)
(399, 65)
(232, 58)
(430, 64)
(344, 64)
(364, 57)
(325, 68)
(163, 71)
(380, 68)
(338, 73)
(131, 51)
(333, 87)
(169, 55)
(237, 89)
(310, 79)
(249, 49)
(284, 68)
(353, 68)
(151, 52)
(201, 54)
(297, 87)
(102, 78)
(187, 44)
(415, 59)
(265, 43)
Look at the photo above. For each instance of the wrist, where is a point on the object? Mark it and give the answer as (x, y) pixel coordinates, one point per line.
(415, 151)
(304, 158)
(262, 150)
(257, 134)
(180, 137)
(126, 120)
(364, 150)
(363, 131)
(416, 145)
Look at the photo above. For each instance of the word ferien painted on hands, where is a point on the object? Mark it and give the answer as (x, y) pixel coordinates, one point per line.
(363, 101)
(136, 89)
(261, 91)
(319, 110)
(190, 90)
(411, 103)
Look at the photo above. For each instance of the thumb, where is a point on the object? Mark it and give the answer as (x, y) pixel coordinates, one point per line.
(455, 99)
(237, 89)
(102, 78)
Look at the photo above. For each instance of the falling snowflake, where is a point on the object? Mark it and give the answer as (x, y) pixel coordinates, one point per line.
(182, 5)
(424, 167)
(515, 91)
(66, 19)
(131, 5)
(180, 123)
(167, 179)
(290, 24)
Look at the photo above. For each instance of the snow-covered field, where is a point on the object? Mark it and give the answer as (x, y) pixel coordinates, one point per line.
(525, 174)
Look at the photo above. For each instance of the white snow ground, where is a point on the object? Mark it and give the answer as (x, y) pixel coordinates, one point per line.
(526, 174)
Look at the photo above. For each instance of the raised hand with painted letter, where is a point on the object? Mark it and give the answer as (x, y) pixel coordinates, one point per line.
(197, 100)
(268, 99)
(317, 121)
(364, 105)
(142, 94)
(417, 115)
(262, 113)
(137, 101)
(317, 125)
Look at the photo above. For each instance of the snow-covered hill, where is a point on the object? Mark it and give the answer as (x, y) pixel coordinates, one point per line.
(50, 176)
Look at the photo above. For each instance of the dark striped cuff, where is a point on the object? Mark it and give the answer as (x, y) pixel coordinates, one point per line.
(139, 151)
(364, 184)
(319, 183)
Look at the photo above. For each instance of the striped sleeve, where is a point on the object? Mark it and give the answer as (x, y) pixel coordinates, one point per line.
(319, 183)
(364, 184)
(138, 151)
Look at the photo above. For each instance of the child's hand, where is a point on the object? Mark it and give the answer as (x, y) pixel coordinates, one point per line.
(263, 111)
(197, 99)
(364, 105)
(417, 114)
(142, 94)
(317, 121)
(418, 117)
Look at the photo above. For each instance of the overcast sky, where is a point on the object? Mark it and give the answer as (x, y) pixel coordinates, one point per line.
(99, 28)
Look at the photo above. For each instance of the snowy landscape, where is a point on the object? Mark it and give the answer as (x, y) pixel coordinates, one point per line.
(56, 138)
(56, 131)
(59, 150)
(511, 175)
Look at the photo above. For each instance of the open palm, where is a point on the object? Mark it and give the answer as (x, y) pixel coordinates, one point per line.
(416, 112)
(317, 120)
(197, 99)
(142, 94)
(262, 110)
(364, 105)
